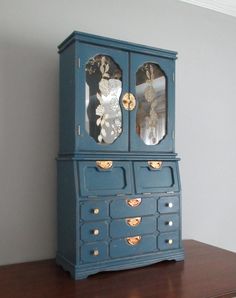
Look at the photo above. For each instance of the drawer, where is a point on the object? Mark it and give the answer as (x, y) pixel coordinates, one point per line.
(132, 207)
(94, 210)
(149, 180)
(132, 246)
(168, 241)
(169, 222)
(94, 252)
(94, 231)
(168, 204)
(132, 226)
(95, 181)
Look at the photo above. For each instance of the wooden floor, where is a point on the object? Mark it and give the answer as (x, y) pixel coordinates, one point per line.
(206, 272)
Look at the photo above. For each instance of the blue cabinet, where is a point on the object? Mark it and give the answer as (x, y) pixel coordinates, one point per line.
(119, 192)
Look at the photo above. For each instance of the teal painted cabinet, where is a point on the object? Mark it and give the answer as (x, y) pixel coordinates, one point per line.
(119, 195)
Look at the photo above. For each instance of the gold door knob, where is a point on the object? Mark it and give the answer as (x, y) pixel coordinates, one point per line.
(170, 205)
(96, 252)
(129, 101)
(96, 232)
(96, 211)
(169, 241)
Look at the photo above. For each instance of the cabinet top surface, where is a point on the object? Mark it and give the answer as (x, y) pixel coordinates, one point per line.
(110, 42)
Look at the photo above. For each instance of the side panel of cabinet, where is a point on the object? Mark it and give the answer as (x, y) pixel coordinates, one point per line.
(87, 113)
(147, 103)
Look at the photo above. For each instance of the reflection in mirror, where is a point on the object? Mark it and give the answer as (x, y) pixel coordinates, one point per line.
(103, 118)
(151, 97)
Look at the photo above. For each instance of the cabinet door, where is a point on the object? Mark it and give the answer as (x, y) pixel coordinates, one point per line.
(101, 81)
(152, 120)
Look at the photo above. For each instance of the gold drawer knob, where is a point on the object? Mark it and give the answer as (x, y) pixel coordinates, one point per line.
(170, 223)
(169, 241)
(133, 222)
(134, 202)
(155, 164)
(170, 205)
(133, 240)
(96, 252)
(104, 164)
(96, 211)
(96, 232)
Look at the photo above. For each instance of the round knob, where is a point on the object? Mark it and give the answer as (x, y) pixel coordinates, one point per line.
(169, 241)
(96, 252)
(170, 223)
(95, 232)
(170, 205)
(96, 211)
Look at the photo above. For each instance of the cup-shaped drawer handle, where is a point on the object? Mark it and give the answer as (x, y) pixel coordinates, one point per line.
(133, 222)
(134, 202)
(104, 164)
(155, 164)
(133, 240)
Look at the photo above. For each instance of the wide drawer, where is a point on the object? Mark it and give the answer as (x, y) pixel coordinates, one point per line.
(136, 206)
(94, 210)
(94, 231)
(168, 204)
(95, 181)
(168, 240)
(94, 252)
(132, 246)
(149, 180)
(132, 226)
(168, 222)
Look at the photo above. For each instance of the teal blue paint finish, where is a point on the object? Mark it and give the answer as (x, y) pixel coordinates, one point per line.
(95, 181)
(88, 234)
(87, 252)
(161, 180)
(168, 223)
(87, 210)
(168, 204)
(165, 237)
(121, 248)
(121, 209)
(120, 227)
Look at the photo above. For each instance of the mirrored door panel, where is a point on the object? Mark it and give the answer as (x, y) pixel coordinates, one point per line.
(152, 121)
(103, 80)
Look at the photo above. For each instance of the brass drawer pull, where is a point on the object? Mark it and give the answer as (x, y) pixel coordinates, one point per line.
(104, 164)
(155, 164)
(133, 222)
(129, 101)
(133, 240)
(134, 202)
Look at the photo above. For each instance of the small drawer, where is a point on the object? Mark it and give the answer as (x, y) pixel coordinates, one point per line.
(168, 204)
(94, 252)
(161, 179)
(132, 246)
(94, 210)
(94, 231)
(100, 182)
(132, 226)
(132, 207)
(169, 222)
(168, 241)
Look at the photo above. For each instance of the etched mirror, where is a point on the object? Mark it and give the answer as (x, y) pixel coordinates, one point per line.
(151, 117)
(103, 117)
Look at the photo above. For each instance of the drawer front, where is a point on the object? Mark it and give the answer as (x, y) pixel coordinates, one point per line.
(132, 226)
(168, 204)
(95, 181)
(148, 180)
(94, 231)
(168, 241)
(94, 210)
(94, 252)
(127, 208)
(169, 222)
(122, 248)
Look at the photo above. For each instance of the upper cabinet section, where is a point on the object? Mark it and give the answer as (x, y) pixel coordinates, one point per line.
(115, 96)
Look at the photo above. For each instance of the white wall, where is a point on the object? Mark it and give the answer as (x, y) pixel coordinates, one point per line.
(206, 86)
